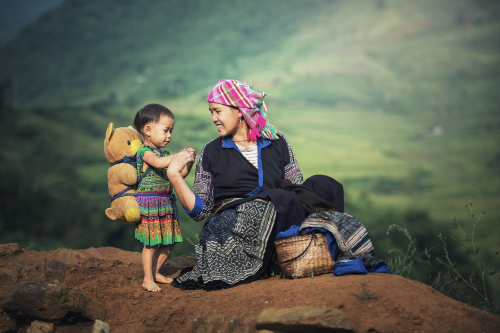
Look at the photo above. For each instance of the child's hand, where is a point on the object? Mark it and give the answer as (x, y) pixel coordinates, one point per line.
(192, 151)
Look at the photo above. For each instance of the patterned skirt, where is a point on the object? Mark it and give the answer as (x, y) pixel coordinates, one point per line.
(235, 247)
(158, 220)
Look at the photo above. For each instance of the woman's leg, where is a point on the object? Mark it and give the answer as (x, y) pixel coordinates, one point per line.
(233, 247)
(160, 257)
(149, 284)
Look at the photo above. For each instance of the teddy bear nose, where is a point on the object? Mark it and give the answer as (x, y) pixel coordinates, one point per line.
(135, 145)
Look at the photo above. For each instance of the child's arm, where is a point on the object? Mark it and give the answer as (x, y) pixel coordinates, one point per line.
(157, 162)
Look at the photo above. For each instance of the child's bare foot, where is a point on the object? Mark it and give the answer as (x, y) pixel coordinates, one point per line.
(162, 279)
(151, 286)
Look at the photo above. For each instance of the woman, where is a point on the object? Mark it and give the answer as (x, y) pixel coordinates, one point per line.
(237, 188)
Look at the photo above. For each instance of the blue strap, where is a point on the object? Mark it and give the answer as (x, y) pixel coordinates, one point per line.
(123, 194)
(132, 160)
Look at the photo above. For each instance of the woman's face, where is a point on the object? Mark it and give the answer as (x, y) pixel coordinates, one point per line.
(226, 118)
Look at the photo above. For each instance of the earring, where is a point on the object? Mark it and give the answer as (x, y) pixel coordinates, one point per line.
(240, 120)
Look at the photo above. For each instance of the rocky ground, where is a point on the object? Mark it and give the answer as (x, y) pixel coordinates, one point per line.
(109, 280)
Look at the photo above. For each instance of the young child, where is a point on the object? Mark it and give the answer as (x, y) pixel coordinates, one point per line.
(158, 229)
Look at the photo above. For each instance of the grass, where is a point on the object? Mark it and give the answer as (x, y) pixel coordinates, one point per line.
(403, 263)
(134, 277)
(312, 283)
(365, 296)
(475, 280)
(463, 274)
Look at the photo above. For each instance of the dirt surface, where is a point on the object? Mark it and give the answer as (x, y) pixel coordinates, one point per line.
(384, 303)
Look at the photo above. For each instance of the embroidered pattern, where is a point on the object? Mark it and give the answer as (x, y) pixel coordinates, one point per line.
(292, 171)
(157, 179)
(203, 187)
(350, 234)
(158, 213)
(232, 245)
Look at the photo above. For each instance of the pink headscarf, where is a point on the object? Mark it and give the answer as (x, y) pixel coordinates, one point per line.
(249, 102)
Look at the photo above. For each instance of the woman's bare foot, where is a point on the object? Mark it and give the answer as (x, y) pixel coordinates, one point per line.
(162, 279)
(151, 286)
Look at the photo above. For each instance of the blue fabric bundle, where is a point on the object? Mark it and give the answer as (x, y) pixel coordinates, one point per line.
(356, 266)
(293, 231)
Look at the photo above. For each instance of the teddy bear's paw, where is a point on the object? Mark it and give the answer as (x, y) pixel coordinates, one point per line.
(133, 215)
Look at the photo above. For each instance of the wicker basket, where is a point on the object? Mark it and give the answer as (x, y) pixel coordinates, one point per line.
(303, 256)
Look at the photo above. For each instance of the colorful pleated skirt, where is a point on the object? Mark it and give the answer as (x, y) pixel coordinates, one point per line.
(159, 225)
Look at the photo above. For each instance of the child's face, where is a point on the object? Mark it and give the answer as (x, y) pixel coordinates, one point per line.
(160, 133)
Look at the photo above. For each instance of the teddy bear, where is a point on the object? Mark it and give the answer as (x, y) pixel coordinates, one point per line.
(120, 146)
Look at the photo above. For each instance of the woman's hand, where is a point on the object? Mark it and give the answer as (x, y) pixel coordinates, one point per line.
(184, 193)
(179, 161)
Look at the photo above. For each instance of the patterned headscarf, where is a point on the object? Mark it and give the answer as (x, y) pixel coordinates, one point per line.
(250, 103)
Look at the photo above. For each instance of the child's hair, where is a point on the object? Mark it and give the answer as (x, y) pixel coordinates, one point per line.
(151, 113)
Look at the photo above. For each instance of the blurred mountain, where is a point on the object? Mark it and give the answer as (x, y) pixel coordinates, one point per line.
(15, 15)
(399, 55)
(91, 49)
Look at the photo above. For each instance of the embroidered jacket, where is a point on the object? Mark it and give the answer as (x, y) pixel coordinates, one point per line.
(222, 172)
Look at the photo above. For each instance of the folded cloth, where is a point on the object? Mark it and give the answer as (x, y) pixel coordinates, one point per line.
(356, 266)
(293, 231)
(350, 234)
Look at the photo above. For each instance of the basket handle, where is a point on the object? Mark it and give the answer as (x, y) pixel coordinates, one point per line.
(313, 237)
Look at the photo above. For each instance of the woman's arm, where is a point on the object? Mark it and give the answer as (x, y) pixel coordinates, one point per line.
(176, 166)
(203, 190)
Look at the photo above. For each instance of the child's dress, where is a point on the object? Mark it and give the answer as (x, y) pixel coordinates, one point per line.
(158, 211)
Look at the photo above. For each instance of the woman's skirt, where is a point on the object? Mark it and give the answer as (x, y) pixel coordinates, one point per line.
(235, 247)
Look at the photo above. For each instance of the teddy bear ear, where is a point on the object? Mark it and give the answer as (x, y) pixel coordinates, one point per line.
(109, 132)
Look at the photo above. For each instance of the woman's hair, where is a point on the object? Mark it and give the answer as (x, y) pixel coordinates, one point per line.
(151, 113)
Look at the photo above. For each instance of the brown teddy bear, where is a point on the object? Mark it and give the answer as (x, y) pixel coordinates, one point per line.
(120, 146)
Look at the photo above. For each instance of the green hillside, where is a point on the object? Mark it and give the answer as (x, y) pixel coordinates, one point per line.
(15, 15)
(88, 50)
(395, 55)
(395, 99)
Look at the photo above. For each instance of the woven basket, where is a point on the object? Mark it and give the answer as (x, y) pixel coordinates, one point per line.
(303, 256)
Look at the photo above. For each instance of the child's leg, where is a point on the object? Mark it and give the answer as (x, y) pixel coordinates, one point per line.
(147, 263)
(161, 255)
